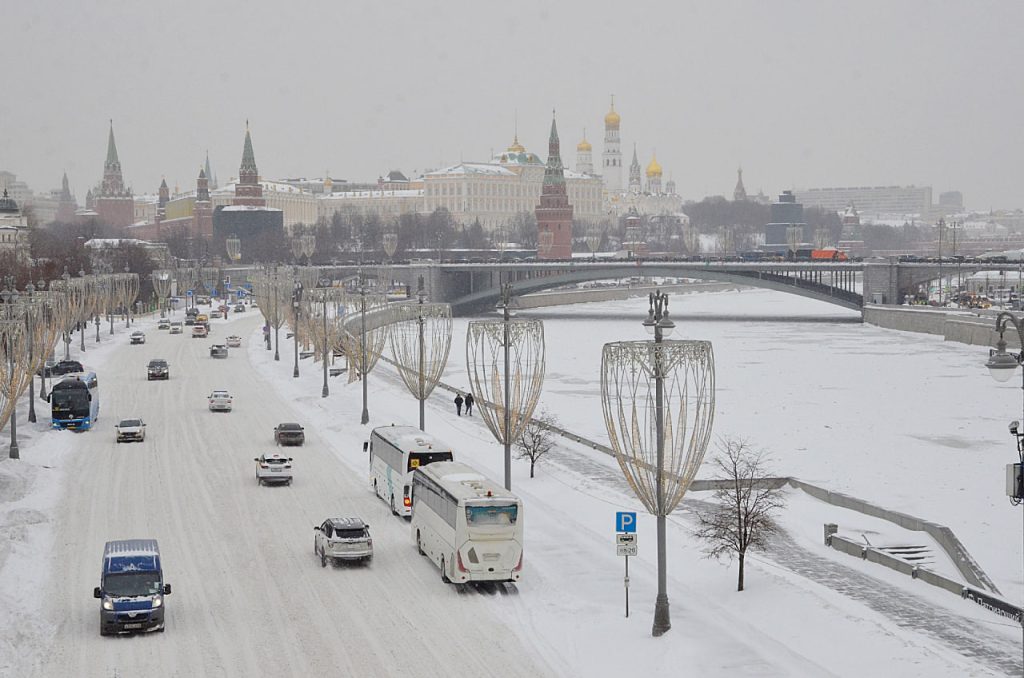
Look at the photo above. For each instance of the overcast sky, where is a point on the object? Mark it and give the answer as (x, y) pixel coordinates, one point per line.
(800, 93)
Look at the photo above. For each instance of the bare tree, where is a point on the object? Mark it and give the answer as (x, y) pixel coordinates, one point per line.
(537, 438)
(746, 500)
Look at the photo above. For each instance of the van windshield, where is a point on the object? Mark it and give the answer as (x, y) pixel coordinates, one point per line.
(132, 584)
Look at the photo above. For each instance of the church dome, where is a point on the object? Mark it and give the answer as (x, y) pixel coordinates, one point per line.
(654, 169)
(612, 119)
(8, 205)
(516, 147)
(584, 146)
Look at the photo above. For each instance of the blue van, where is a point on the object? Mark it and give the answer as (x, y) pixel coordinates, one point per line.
(131, 587)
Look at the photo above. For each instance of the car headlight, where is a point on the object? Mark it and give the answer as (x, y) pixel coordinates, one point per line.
(158, 601)
(108, 604)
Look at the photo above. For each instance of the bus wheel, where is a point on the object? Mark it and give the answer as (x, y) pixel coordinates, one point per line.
(393, 511)
(444, 575)
(419, 545)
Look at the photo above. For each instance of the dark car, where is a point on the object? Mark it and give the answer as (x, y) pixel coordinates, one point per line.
(157, 369)
(218, 351)
(67, 367)
(289, 433)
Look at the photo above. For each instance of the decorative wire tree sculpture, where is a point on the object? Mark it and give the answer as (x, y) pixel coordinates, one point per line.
(233, 245)
(364, 345)
(505, 363)
(14, 362)
(323, 315)
(593, 241)
(162, 280)
(421, 336)
(659, 406)
(274, 291)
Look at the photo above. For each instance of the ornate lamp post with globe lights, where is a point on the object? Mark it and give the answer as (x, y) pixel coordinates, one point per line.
(659, 435)
(1001, 365)
(509, 393)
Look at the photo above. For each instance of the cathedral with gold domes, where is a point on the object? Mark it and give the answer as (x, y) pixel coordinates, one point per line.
(652, 197)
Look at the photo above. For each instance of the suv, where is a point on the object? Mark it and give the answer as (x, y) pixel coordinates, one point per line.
(343, 539)
(176, 327)
(220, 401)
(163, 324)
(157, 369)
(218, 351)
(67, 367)
(138, 337)
(273, 468)
(289, 433)
(199, 332)
(190, 315)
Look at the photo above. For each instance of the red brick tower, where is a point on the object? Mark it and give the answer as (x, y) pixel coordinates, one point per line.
(66, 204)
(203, 212)
(114, 203)
(554, 214)
(248, 190)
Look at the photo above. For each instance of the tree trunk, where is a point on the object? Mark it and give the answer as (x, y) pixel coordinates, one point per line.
(739, 584)
(532, 462)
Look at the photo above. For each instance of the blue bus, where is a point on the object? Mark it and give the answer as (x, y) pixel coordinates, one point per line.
(75, 401)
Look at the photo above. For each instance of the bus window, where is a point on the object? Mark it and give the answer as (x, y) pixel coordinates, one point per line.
(478, 516)
(418, 459)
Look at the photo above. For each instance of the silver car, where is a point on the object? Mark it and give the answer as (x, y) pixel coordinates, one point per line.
(343, 539)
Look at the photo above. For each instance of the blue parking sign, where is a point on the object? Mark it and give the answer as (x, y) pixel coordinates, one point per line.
(625, 521)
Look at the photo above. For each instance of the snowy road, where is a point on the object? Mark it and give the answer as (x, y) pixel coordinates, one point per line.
(249, 597)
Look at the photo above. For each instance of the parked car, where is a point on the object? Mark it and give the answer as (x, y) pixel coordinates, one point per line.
(157, 369)
(130, 429)
(218, 351)
(67, 367)
(289, 433)
(343, 539)
(47, 369)
(163, 324)
(199, 332)
(234, 341)
(220, 401)
(273, 468)
(176, 327)
(138, 337)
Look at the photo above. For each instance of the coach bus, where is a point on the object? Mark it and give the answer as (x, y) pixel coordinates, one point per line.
(395, 452)
(75, 401)
(469, 526)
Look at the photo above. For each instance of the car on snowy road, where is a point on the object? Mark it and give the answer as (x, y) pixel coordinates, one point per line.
(132, 587)
(273, 468)
(199, 332)
(163, 324)
(220, 401)
(130, 429)
(157, 369)
(342, 539)
(218, 351)
(138, 337)
(234, 341)
(289, 433)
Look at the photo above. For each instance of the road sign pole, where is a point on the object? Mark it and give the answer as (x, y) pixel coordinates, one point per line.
(627, 587)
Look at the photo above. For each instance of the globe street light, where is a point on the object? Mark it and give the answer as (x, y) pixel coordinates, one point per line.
(1001, 365)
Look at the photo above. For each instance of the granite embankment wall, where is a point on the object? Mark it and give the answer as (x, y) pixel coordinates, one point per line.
(976, 327)
(580, 296)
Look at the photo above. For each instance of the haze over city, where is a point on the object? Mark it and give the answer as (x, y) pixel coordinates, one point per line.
(799, 94)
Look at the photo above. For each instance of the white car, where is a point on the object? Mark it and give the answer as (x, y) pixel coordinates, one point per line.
(130, 429)
(234, 341)
(163, 324)
(343, 539)
(273, 468)
(176, 327)
(220, 401)
(138, 337)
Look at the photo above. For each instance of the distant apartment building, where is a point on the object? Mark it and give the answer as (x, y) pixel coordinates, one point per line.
(870, 200)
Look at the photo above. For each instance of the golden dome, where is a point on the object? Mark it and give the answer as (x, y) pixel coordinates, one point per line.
(584, 146)
(654, 169)
(612, 119)
(516, 147)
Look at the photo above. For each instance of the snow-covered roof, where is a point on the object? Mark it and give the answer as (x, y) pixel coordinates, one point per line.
(474, 168)
(275, 186)
(249, 208)
(99, 243)
(351, 195)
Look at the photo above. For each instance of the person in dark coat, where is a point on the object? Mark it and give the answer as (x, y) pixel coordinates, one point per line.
(469, 404)
(458, 403)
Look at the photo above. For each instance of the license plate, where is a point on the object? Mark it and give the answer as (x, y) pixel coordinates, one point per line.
(276, 470)
(491, 556)
(136, 625)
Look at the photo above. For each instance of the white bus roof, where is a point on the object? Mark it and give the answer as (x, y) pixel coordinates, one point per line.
(465, 482)
(411, 439)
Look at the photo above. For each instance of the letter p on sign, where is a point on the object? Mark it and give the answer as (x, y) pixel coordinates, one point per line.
(625, 521)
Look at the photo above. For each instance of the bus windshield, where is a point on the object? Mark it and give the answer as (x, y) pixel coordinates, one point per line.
(72, 403)
(418, 459)
(479, 516)
(132, 584)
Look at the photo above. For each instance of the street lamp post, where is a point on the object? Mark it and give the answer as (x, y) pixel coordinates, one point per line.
(1001, 365)
(9, 296)
(942, 233)
(506, 315)
(659, 324)
(30, 319)
(365, 417)
(325, 391)
(296, 312)
(81, 320)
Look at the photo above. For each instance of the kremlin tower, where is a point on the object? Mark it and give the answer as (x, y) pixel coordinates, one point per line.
(612, 155)
(203, 211)
(114, 203)
(739, 194)
(248, 190)
(635, 187)
(554, 214)
(66, 204)
(584, 156)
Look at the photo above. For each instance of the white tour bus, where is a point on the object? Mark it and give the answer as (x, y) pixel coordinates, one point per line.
(471, 527)
(395, 452)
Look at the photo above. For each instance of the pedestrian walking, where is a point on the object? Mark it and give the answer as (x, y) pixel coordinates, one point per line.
(469, 404)
(458, 403)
